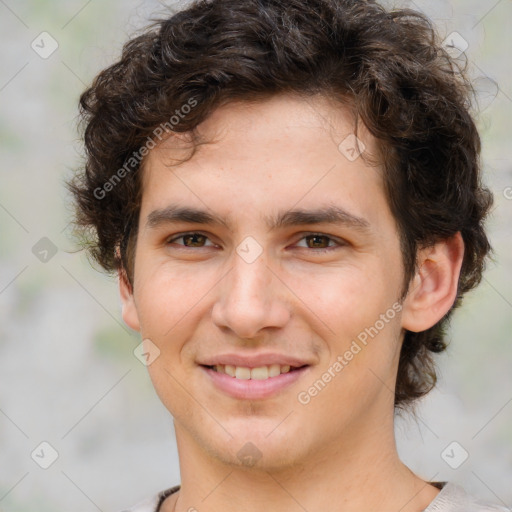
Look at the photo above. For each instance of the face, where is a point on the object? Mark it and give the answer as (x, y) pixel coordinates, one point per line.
(270, 248)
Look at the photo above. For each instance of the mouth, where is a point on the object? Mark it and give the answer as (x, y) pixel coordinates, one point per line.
(255, 383)
(257, 373)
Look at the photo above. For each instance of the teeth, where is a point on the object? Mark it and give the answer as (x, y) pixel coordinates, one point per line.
(242, 373)
(259, 373)
(274, 370)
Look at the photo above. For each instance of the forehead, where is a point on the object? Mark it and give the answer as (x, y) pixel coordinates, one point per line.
(280, 121)
(285, 149)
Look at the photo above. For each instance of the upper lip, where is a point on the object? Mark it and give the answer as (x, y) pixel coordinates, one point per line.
(254, 361)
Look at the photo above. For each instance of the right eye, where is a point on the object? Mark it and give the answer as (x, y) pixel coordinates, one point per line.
(192, 240)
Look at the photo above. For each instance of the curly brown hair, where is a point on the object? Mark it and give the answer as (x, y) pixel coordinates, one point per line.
(389, 65)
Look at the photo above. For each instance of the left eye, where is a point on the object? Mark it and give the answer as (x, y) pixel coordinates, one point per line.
(318, 241)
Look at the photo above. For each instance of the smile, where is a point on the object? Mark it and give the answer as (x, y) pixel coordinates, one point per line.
(259, 373)
(257, 383)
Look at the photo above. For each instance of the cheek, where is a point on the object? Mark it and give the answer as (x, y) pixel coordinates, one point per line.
(167, 297)
(357, 315)
(345, 300)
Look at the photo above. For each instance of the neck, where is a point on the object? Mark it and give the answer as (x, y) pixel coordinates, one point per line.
(362, 473)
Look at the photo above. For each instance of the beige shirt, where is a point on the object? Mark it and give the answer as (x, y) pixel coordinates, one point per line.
(451, 498)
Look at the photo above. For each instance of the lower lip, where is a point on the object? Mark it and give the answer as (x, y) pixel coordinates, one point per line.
(253, 389)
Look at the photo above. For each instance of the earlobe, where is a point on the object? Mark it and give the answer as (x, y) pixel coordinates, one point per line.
(129, 309)
(433, 289)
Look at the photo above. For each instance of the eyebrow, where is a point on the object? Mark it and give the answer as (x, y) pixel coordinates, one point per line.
(287, 218)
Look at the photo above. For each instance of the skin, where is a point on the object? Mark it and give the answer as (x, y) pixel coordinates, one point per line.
(338, 451)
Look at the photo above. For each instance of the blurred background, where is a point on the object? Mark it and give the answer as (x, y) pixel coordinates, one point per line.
(80, 425)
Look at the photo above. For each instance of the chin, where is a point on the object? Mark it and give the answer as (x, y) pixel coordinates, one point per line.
(254, 449)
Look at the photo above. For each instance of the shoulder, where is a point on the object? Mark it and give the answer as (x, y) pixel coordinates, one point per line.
(453, 498)
(152, 504)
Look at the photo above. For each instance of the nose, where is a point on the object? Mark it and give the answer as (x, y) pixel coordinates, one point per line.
(250, 299)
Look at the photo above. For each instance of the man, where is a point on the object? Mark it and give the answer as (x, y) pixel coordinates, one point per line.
(290, 194)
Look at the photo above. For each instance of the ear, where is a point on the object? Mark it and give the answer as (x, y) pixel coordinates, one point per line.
(433, 289)
(129, 309)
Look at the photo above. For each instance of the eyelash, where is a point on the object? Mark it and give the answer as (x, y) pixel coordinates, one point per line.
(339, 243)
